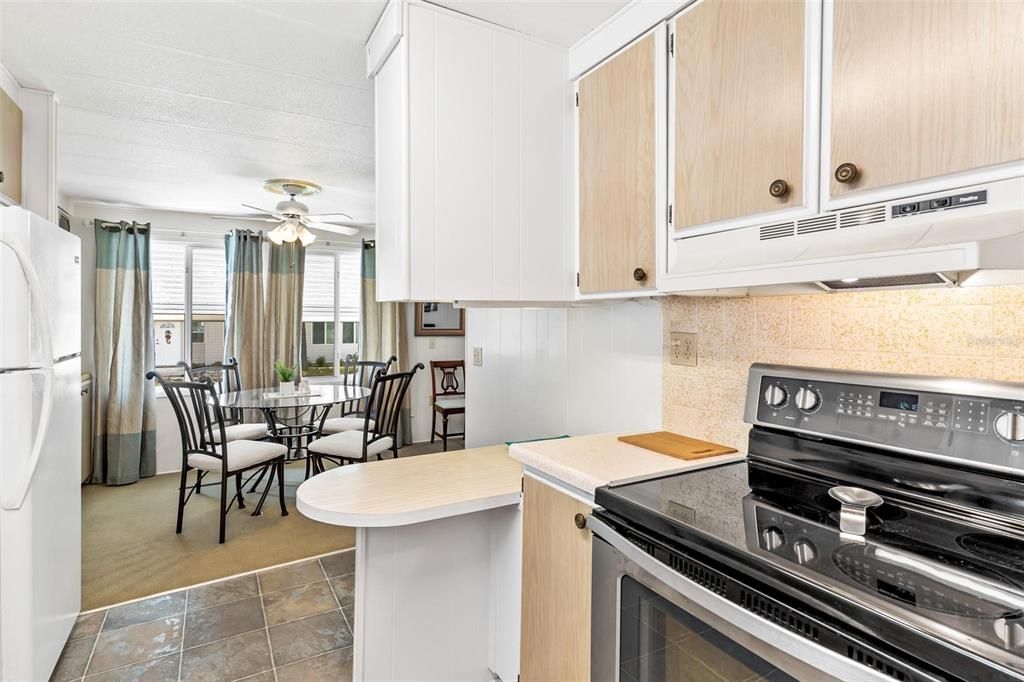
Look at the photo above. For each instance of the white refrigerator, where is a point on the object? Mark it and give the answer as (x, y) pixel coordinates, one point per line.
(40, 442)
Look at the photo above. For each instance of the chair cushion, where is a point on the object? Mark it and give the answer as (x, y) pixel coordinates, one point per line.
(242, 432)
(451, 403)
(339, 424)
(241, 455)
(348, 444)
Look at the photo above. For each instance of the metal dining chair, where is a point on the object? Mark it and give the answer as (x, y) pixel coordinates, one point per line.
(379, 432)
(356, 373)
(197, 410)
(227, 377)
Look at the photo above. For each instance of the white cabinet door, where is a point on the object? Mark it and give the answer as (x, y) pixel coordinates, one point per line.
(488, 120)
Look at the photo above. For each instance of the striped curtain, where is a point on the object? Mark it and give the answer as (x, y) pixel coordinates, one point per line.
(125, 430)
(244, 337)
(284, 304)
(383, 331)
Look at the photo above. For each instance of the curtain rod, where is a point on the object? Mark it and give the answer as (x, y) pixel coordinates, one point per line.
(122, 225)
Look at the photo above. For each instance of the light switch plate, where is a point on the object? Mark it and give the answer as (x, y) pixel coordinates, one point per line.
(683, 349)
(478, 356)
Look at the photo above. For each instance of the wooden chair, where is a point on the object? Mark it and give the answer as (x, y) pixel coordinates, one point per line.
(379, 432)
(451, 399)
(356, 373)
(199, 416)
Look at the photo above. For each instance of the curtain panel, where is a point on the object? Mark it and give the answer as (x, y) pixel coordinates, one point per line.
(284, 304)
(125, 416)
(383, 331)
(244, 337)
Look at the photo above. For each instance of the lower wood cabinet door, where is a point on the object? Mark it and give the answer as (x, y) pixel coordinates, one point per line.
(555, 643)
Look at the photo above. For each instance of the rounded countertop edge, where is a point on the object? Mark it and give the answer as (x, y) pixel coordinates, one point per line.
(406, 518)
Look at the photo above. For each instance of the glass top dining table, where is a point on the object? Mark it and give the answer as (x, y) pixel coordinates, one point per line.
(320, 395)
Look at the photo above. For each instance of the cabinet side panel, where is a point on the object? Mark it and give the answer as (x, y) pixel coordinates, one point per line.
(546, 121)
(617, 171)
(508, 87)
(11, 126)
(739, 121)
(923, 89)
(556, 587)
(423, 94)
(464, 166)
(392, 233)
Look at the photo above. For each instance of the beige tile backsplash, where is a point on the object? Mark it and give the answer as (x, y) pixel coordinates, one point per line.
(970, 332)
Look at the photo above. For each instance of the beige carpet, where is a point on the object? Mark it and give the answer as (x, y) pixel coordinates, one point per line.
(130, 550)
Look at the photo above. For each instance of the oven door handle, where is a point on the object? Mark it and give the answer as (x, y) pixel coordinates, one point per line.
(767, 632)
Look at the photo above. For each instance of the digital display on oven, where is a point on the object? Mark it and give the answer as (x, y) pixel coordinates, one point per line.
(898, 401)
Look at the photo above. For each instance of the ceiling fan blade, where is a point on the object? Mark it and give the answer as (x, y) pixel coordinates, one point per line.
(331, 227)
(249, 217)
(264, 211)
(331, 217)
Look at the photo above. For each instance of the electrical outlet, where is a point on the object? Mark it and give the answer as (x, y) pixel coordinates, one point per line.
(478, 356)
(683, 349)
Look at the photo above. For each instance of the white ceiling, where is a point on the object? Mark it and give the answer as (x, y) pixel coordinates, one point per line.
(190, 106)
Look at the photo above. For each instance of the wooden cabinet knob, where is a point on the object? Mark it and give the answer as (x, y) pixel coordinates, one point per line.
(580, 520)
(640, 274)
(779, 188)
(846, 173)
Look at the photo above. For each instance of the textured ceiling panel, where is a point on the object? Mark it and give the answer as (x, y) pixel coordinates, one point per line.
(191, 106)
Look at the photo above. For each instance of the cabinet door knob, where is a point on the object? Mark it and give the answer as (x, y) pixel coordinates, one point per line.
(639, 274)
(1, 176)
(580, 520)
(846, 173)
(779, 188)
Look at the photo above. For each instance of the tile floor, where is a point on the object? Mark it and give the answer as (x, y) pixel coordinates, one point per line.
(292, 622)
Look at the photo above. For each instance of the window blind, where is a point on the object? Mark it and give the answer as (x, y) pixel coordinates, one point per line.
(167, 276)
(209, 281)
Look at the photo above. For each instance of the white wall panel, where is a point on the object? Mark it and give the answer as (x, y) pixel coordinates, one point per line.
(392, 230)
(589, 369)
(615, 364)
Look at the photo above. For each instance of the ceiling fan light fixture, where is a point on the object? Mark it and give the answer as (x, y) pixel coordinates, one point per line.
(306, 236)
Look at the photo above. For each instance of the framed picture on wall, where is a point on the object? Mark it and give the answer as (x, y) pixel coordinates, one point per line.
(440, 319)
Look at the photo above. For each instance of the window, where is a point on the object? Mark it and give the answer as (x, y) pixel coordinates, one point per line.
(330, 301)
(181, 302)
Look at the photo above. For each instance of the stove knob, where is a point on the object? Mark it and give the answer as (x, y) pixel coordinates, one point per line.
(805, 551)
(775, 396)
(807, 399)
(1010, 426)
(772, 538)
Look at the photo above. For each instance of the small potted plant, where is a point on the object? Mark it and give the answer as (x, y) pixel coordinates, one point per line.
(285, 377)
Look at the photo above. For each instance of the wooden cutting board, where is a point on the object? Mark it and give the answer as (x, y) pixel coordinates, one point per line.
(675, 445)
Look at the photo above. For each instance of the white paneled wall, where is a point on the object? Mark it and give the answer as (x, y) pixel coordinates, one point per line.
(615, 367)
(590, 369)
(520, 391)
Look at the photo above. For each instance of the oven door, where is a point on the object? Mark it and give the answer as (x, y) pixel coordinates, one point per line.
(651, 624)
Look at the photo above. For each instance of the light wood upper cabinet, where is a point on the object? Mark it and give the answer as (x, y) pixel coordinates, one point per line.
(555, 642)
(10, 147)
(617, 173)
(739, 110)
(923, 89)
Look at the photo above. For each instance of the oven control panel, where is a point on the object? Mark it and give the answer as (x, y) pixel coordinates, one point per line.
(988, 430)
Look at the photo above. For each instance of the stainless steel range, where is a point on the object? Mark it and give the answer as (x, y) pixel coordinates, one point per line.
(875, 531)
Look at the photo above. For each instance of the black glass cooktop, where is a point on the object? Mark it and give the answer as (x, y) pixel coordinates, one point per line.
(943, 554)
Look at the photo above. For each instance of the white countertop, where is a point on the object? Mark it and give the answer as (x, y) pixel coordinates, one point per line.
(588, 462)
(412, 489)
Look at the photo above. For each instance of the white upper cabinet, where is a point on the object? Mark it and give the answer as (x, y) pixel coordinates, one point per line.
(474, 127)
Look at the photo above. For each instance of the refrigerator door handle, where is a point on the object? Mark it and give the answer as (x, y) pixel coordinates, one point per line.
(15, 502)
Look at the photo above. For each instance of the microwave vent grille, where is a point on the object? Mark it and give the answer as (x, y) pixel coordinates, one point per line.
(821, 223)
(777, 231)
(856, 217)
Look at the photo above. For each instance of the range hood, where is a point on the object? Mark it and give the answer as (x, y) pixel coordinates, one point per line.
(970, 234)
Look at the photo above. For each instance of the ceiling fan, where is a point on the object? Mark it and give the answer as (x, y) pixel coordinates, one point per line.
(294, 217)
